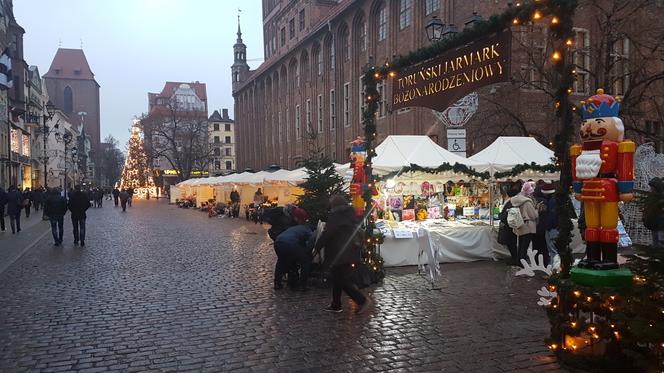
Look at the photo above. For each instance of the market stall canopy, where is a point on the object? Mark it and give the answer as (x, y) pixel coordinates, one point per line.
(397, 152)
(508, 151)
(251, 178)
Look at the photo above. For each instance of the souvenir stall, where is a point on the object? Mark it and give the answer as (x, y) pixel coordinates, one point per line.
(277, 185)
(431, 197)
(176, 193)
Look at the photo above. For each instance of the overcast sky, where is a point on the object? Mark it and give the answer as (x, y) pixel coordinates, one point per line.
(134, 46)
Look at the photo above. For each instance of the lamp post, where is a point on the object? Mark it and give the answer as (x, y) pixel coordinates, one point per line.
(66, 139)
(434, 29)
(74, 163)
(50, 111)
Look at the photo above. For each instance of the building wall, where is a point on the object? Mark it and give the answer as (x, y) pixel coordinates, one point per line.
(226, 145)
(85, 98)
(267, 104)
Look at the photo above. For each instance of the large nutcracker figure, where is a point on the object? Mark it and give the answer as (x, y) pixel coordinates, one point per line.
(603, 175)
(359, 183)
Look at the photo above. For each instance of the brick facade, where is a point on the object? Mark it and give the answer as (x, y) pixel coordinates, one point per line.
(311, 78)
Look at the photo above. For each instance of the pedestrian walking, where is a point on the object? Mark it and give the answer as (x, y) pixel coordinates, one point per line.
(342, 251)
(3, 203)
(293, 252)
(506, 235)
(130, 191)
(14, 206)
(116, 196)
(79, 203)
(124, 197)
(38, 198)
(27, 201)
(525, 206)
(55, 208)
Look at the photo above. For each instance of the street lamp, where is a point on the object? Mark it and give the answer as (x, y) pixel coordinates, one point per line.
(66, 138)
(434, 29)
(50, 111)
(74, 163)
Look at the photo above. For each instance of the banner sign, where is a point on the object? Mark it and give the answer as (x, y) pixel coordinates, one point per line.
(441, 81)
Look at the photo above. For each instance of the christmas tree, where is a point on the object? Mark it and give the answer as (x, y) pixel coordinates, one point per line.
(136, 172)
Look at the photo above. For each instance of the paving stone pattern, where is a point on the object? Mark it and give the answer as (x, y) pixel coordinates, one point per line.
(166, 289)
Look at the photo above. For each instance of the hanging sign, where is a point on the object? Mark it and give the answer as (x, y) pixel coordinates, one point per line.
(439, 82)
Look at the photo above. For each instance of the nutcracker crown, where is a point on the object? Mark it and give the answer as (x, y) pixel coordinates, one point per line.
(600, 105)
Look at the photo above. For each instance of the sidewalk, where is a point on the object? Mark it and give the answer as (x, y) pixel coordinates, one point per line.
(13, 246)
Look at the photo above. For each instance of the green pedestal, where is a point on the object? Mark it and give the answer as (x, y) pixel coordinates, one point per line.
(610, 278)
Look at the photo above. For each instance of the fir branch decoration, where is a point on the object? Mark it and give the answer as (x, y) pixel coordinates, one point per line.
(521, 168)
(445, 167)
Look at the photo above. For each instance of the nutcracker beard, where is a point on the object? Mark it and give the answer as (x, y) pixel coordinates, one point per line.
(588, 164)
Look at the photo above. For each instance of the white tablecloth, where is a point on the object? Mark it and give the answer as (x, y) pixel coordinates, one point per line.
(455, 243)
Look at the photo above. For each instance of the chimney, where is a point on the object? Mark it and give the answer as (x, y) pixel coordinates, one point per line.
(225, 114)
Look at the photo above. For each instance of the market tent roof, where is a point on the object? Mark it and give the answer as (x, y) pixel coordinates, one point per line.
(277, 176)
(396, 152)
(252, 178)
(507, 152)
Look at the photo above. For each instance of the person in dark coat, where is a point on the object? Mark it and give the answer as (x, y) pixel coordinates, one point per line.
(56, 208)
(27, 201)
(342, 252)
(549, 219)
(280, 219)
(124, 197)
(506, 235)
(37, 198)
(3, 203)
(130, 191)
(116, 196)
(79, 203)
(14, 205)
(539, 240)
(292, 250)
(653, 211)
(235, 203)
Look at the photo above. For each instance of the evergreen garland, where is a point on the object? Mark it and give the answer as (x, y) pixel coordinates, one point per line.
(445, 167)
(521, 168)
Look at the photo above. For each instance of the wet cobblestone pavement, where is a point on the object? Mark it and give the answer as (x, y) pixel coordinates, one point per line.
(166, 289)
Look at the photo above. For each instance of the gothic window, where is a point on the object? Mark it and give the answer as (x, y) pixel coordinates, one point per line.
(431, 6)
(382, 23)
(405, 13)
(68, 100)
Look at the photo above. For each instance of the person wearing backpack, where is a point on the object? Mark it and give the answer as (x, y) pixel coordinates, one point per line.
(522, 218)
(506, 235)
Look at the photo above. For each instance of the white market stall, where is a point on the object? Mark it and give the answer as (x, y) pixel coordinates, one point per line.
(415, 201)
(507, 152)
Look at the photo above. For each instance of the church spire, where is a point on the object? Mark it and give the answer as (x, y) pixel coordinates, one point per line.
(239, 32)
(240, 68)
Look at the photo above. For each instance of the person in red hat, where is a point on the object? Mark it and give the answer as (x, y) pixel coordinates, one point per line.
(292, 251)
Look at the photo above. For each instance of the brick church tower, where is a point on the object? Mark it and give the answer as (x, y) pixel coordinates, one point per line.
(72, 87)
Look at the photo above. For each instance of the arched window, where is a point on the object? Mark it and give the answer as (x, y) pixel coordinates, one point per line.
(381, 22)
(68, 100)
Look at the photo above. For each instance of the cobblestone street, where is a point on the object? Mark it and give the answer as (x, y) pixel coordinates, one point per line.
(166, 289)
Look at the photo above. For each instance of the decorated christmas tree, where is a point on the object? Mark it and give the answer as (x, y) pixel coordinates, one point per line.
(136, 173)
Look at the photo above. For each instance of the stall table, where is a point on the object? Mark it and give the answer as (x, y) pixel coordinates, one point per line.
(455, 241)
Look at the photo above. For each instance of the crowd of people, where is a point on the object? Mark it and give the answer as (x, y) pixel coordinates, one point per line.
(338, 244)
(537, 208)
